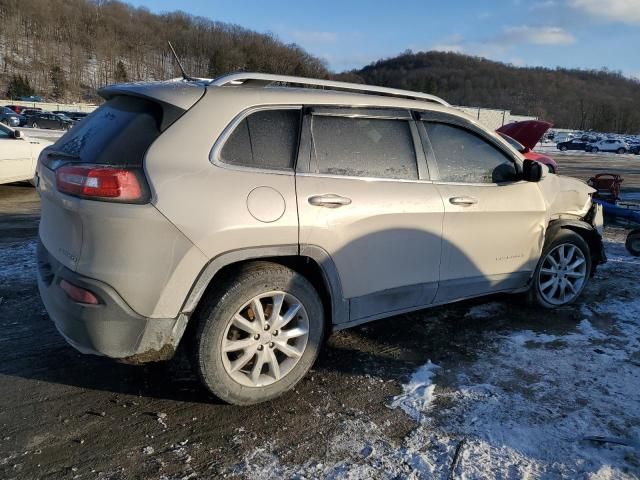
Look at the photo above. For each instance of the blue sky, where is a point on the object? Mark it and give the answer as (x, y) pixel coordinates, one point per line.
(352, 33)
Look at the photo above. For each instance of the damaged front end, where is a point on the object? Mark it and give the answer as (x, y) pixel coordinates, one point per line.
(570, 206)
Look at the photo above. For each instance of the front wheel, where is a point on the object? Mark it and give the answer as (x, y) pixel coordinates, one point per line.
(259, 335)
(621, 150)
(563, 148)
(563, 270)
(34, 125)
(594, 150)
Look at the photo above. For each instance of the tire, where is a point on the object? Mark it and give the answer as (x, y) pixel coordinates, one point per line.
(231, 375)
(34, 125)
(563, 148)
(542, 293)
(633, 243)
(621, 151)
(5, 122)
(594, 150)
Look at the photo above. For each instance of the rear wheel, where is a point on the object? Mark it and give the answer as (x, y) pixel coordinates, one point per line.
(563, 270)
(594, 149)
(34, 125)
(259, 335)
(563, 148)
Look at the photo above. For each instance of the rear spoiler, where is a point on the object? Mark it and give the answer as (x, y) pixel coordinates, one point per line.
(174, 96)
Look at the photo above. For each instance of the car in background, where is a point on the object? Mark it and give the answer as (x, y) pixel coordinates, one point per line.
(31, 98)
(608, 145)
(574, 144)
(18, 155)
(17, 108)
(524, 136)
(49, 120)
(635, 149)
(9, 117)
(77, 116)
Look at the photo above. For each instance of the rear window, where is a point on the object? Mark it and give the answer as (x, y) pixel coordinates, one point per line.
(118, 133)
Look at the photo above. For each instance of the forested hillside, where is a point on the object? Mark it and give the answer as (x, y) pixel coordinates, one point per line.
(66, 49)
(599, 100)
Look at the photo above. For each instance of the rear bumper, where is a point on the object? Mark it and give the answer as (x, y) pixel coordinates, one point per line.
(111, 328)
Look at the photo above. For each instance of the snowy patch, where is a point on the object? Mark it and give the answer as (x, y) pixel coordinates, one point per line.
(18, 263)
(484, 311)
(418, 393)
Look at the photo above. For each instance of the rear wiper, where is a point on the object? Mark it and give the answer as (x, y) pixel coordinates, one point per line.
(55, 153)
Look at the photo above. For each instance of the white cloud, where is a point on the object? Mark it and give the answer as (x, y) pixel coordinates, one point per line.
(625, 11)
(537, 35)
(448, 47)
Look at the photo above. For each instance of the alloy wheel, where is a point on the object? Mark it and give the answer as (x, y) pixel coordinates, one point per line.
(265, 339)
(563, 274)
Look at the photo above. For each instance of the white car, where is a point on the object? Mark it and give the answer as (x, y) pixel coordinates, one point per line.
(18, 155)
(608, 145)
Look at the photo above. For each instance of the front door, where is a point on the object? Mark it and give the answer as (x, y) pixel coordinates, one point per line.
(364, 198)
(494, 223)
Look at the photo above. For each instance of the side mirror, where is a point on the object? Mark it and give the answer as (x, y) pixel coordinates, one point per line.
(531, 171)
(18, 134)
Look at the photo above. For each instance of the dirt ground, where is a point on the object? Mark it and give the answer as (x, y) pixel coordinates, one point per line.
(67, 415)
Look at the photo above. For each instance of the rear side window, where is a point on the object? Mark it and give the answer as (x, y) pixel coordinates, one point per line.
(118, 133)
(463, 156)
(364, 147)
(264, 139)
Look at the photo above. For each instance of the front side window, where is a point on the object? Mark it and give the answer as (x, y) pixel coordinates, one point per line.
(364, 147)
(462, 156)
(264, 139)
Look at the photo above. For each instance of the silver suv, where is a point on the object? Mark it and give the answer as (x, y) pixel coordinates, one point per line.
(247, 217)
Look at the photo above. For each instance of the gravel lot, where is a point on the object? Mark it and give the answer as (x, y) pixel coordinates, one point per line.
(514, 391)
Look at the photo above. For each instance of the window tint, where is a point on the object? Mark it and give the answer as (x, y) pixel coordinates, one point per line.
(117, 133)
(364, 147)
(264, 139)
(5, 133)
(463, 156)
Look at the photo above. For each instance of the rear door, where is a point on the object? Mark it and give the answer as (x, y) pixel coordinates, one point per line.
(364, 197)
(494, 223)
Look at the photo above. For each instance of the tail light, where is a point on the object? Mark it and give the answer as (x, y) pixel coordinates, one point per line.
(78, 294)
(101, 182)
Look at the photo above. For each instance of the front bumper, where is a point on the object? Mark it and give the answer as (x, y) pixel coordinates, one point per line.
(111, 328)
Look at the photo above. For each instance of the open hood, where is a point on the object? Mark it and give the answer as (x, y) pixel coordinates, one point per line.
(528, 132)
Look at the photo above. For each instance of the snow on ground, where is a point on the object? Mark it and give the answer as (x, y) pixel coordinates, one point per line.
(522, 409)
(18, 263)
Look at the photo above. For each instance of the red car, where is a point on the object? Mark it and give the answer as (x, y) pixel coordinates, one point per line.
(524, 136)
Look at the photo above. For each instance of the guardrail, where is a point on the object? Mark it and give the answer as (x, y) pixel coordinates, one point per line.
(50, 107)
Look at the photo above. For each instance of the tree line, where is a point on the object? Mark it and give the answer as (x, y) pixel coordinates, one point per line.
(600, 100)
(67, 49)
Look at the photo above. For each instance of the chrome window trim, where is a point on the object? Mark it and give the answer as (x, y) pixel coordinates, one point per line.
(366, 179)
(216, 150)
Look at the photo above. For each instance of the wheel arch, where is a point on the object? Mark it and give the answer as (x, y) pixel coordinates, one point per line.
(587, 232)
(314, 263)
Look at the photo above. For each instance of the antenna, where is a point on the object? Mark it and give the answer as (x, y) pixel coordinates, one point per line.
(175, 55)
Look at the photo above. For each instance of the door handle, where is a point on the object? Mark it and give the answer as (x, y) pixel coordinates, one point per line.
(329, 200)
(464, 201)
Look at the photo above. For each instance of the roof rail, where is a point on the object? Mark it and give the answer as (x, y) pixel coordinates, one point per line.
(266, 79)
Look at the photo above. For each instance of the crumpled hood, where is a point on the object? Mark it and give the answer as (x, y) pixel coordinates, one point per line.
(528, 132)
(566, 196)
